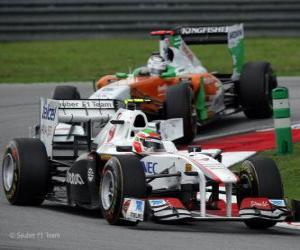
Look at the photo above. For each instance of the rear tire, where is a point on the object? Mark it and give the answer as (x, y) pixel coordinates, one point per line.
(255, 90)
(122, 176)
(259, 177)
(66, 93)
(25, 172)
(179, 99)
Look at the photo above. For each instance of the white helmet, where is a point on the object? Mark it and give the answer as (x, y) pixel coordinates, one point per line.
(156, 65)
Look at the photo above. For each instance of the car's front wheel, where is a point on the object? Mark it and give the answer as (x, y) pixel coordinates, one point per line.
(122, 176)
(259, 177)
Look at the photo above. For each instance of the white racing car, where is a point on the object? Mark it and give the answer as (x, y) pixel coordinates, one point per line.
(134, 172)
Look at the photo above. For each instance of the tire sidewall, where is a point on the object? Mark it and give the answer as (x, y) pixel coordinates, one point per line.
(247, 172)
(113, 213)
(256, 94)
(12, 193)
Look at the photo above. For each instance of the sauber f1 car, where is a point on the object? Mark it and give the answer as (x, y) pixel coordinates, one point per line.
(133, 172)
(180, 86)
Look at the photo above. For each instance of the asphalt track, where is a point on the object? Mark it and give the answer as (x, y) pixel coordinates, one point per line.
(58, 227)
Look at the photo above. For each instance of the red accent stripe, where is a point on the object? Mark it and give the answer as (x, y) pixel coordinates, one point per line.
(204, 169)
(253, 141)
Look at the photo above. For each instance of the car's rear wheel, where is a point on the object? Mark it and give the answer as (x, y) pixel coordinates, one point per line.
(255, 89)
(66, 93)
(25, 172)
(122, 176)
(179, 104)
(259, 177)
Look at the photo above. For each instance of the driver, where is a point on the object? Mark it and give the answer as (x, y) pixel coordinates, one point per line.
(147, 141)
(157, 64)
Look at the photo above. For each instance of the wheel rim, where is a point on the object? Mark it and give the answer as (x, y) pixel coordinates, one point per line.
(8, 171)
(107, 189)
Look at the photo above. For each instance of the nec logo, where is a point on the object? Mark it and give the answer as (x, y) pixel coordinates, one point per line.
(48, 113)
(149, 167)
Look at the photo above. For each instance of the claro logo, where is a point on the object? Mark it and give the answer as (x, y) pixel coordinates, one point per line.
(74, 179)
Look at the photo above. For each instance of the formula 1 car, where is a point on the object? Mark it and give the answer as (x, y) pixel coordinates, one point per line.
(179, 86)
(133, 172)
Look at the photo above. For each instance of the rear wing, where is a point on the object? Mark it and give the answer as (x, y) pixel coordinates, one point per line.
(53, 112)
(203, 35)
(210, 34)
(190, 35)
(232, 35)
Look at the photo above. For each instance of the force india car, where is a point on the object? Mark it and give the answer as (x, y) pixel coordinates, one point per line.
(185, 88)
(132, 172)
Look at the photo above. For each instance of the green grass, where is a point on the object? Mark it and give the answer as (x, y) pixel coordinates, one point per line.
(289, 166)
(44, 61)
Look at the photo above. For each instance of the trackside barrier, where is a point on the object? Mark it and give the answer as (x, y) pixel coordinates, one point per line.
(282, 120)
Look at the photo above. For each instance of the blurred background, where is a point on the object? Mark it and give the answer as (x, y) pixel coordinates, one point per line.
(80, 40)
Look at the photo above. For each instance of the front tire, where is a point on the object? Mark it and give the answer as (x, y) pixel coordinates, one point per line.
(25, 172)
(122, 176)
(259, 177)
(255, 90)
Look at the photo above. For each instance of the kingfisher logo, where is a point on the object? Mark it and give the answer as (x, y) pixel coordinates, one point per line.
(203, 30)
(74, 179)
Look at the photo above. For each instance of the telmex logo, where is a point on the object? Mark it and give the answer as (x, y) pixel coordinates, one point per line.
(74, 179)
(48, 113)
(203, 30)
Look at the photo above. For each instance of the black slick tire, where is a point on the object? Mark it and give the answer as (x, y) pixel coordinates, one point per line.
(128, 181)
(179, 100)
(28, 160)
(255, 89)
(259, 177)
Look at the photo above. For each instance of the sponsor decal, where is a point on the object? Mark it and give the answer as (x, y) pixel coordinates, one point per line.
(157, 203)
(263, 204)
(111, 134)
(278, 203)
(235, 34)
(90, 175)
(258, 203)
(149, 167)
(74, 179)
(85, 104)
(133, 209)
(203, 30)
(126, 205)
(48, 112)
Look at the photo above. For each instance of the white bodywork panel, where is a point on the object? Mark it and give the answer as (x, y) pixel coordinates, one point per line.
(48, 122)
(56, 113)
(119, 90)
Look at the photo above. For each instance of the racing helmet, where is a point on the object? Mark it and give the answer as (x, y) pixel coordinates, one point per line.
(147, 141)
(156, 64)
